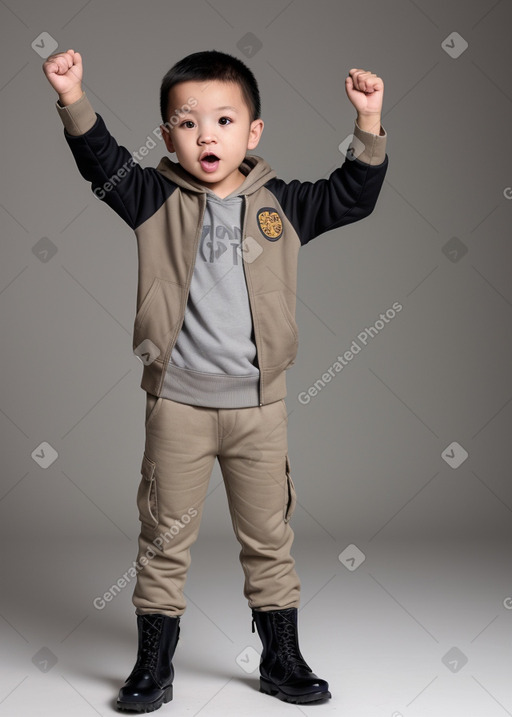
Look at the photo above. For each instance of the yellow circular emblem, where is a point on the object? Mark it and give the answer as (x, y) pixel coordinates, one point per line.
(270, 223)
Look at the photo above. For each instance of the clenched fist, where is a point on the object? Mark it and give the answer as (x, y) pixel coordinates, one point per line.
(64, 72)
(365, 90)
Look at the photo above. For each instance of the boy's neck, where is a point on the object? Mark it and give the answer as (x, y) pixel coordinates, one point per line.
(237, 182)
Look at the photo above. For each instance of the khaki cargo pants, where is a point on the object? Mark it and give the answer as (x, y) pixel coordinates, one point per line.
(182, 442)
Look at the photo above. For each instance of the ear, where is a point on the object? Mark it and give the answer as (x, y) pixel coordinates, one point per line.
(255, 133)
(167, 137)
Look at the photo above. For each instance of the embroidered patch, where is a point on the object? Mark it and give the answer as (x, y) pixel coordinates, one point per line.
(270, 223)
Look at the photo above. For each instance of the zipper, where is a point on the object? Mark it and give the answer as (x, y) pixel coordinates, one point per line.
(243, 237)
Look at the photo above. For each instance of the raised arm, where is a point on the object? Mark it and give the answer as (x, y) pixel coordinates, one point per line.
(352, 190)
(115, 176)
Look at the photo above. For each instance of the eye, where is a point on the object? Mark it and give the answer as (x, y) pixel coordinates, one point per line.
(188, 124)
(225, 121)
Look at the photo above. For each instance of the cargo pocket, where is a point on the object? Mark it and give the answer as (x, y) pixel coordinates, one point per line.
(290, 494)
(146, 496)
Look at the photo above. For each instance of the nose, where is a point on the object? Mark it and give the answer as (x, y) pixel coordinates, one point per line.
(206, 135)
(207, 139)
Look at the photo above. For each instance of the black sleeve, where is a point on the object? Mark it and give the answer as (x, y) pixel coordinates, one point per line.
(116, 178)
(349, 194)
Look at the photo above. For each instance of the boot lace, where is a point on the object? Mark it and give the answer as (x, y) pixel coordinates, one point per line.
(287, 645)
(150, 643)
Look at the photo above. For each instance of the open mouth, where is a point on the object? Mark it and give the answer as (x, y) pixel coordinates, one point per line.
(210, 162)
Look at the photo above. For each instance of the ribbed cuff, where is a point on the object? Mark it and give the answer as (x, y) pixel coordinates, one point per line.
(77, 117)
(374, 151)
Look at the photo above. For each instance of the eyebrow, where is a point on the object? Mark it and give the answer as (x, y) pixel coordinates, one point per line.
(217, 109)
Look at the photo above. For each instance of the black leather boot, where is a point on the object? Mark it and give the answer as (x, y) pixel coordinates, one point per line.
(149, 684)
(283, 671)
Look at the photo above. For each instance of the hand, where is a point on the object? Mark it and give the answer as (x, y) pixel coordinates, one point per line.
(64, 72)
(365, 90)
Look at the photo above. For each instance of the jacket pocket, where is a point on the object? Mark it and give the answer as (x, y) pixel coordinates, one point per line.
(277, 329)
(290, 494)
(147, 502)
(158, 315)
(153, 404)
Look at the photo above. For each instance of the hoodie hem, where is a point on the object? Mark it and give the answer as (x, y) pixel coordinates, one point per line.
(210, 390)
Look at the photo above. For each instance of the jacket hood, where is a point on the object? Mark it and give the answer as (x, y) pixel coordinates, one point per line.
(256, 170)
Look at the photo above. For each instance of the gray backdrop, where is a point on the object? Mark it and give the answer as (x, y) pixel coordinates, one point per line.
(380, 451)
(401, 461)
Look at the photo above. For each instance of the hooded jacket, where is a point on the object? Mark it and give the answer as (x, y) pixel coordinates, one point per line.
(165, 207)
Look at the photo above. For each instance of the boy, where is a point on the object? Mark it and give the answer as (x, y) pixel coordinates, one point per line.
(218, 236)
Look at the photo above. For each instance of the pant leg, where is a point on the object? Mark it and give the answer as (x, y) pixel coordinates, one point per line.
(180, 450)
(254, 461)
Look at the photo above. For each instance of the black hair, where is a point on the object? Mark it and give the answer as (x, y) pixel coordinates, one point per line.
(212, 65)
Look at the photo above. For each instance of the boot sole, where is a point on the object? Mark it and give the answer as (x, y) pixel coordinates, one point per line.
(146, 706)
(269, 689)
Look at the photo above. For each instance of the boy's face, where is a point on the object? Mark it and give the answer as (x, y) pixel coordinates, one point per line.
(218, 126)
